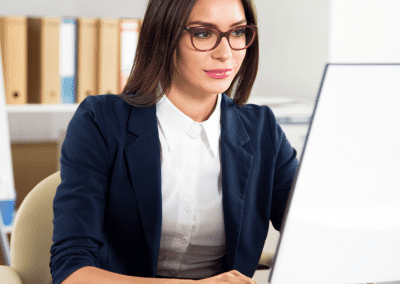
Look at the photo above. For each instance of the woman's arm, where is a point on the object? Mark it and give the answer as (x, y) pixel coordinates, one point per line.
(90, 274)
(79, 202)
(286, 165)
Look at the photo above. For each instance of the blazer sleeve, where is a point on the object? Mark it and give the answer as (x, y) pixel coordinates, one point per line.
(79, 202)
(286, 165)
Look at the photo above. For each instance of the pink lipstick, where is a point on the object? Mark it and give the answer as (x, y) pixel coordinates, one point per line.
(218, 73)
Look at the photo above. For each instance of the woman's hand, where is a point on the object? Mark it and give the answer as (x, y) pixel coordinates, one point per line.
(232, 276)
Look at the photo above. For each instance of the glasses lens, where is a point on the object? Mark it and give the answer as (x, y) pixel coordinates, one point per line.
(241, 37)
(206, 38)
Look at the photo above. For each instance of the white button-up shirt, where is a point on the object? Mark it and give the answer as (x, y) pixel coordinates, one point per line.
(192, 236)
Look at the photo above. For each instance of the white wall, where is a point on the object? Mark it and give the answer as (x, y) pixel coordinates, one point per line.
(293, 37)
(293, 47)
(364, 31)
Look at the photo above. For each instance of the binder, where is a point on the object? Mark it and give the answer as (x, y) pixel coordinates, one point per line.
(87, 58)
(129, 29)
(68, 50)
(43, 60)
(108, 56)
(13, 39)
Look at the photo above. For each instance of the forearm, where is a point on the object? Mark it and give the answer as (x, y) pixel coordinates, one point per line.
(90, 274)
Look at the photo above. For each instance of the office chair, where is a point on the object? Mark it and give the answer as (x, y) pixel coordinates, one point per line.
(31, 237)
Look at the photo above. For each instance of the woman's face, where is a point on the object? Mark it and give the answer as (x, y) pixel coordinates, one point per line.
(189, 74)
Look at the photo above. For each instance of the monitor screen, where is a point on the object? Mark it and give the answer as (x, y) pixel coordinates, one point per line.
(342, 220)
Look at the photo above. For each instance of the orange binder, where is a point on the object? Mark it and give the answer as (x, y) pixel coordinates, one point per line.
(44, 60)
(108, 56)
(13, 39)
(87, 58)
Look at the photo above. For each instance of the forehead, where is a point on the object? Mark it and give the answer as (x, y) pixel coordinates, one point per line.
(219, 12)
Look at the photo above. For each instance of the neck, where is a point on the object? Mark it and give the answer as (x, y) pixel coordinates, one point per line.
(197, 108)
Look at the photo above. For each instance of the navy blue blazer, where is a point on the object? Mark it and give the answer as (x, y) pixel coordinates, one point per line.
(108, 211)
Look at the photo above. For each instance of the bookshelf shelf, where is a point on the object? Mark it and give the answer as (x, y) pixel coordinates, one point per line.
(47, 122)
(39, 108)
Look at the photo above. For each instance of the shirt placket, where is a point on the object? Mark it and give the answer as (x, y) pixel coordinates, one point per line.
(191, 147)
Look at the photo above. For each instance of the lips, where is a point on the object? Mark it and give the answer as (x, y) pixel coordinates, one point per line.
(218, 70)
(218, 73)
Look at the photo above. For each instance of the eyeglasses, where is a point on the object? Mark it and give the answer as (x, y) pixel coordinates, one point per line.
(207, 38)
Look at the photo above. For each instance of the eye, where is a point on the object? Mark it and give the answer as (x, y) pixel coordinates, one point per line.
(239, 32)
(203, 33)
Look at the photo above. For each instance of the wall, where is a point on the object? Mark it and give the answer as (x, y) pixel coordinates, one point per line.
(293, 37)
(364, 31)
(294, 47)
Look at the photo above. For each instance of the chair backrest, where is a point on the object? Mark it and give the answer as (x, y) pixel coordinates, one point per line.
(31, 237)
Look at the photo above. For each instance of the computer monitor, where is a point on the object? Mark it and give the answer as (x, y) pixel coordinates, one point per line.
(342, 220)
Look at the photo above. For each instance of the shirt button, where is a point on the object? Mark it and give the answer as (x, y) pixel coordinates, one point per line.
(191, 143)
(195, 127)
(185, 240)
(189, 175)
(188, 208)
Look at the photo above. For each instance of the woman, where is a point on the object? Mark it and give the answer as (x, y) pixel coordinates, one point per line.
(173, 181)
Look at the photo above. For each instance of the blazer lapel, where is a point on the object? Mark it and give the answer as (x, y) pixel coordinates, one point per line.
(142, 154)
(235, 166)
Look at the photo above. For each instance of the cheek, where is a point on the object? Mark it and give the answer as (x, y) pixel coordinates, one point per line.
(191, 62)
(241, 57)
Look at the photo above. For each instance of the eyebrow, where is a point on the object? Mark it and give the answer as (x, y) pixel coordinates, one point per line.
(214, 26)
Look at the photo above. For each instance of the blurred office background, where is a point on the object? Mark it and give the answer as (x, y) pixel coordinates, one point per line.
(297, 39)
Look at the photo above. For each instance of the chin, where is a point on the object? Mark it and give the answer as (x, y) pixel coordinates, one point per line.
(216, 91)
(219, 85)
(214, 87)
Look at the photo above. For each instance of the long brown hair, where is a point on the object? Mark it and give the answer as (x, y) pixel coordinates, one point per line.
(160, 33)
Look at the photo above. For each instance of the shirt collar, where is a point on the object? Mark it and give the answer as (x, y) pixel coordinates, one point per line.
(174, 124)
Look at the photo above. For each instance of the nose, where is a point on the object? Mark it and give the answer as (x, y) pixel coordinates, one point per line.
(223, 50)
